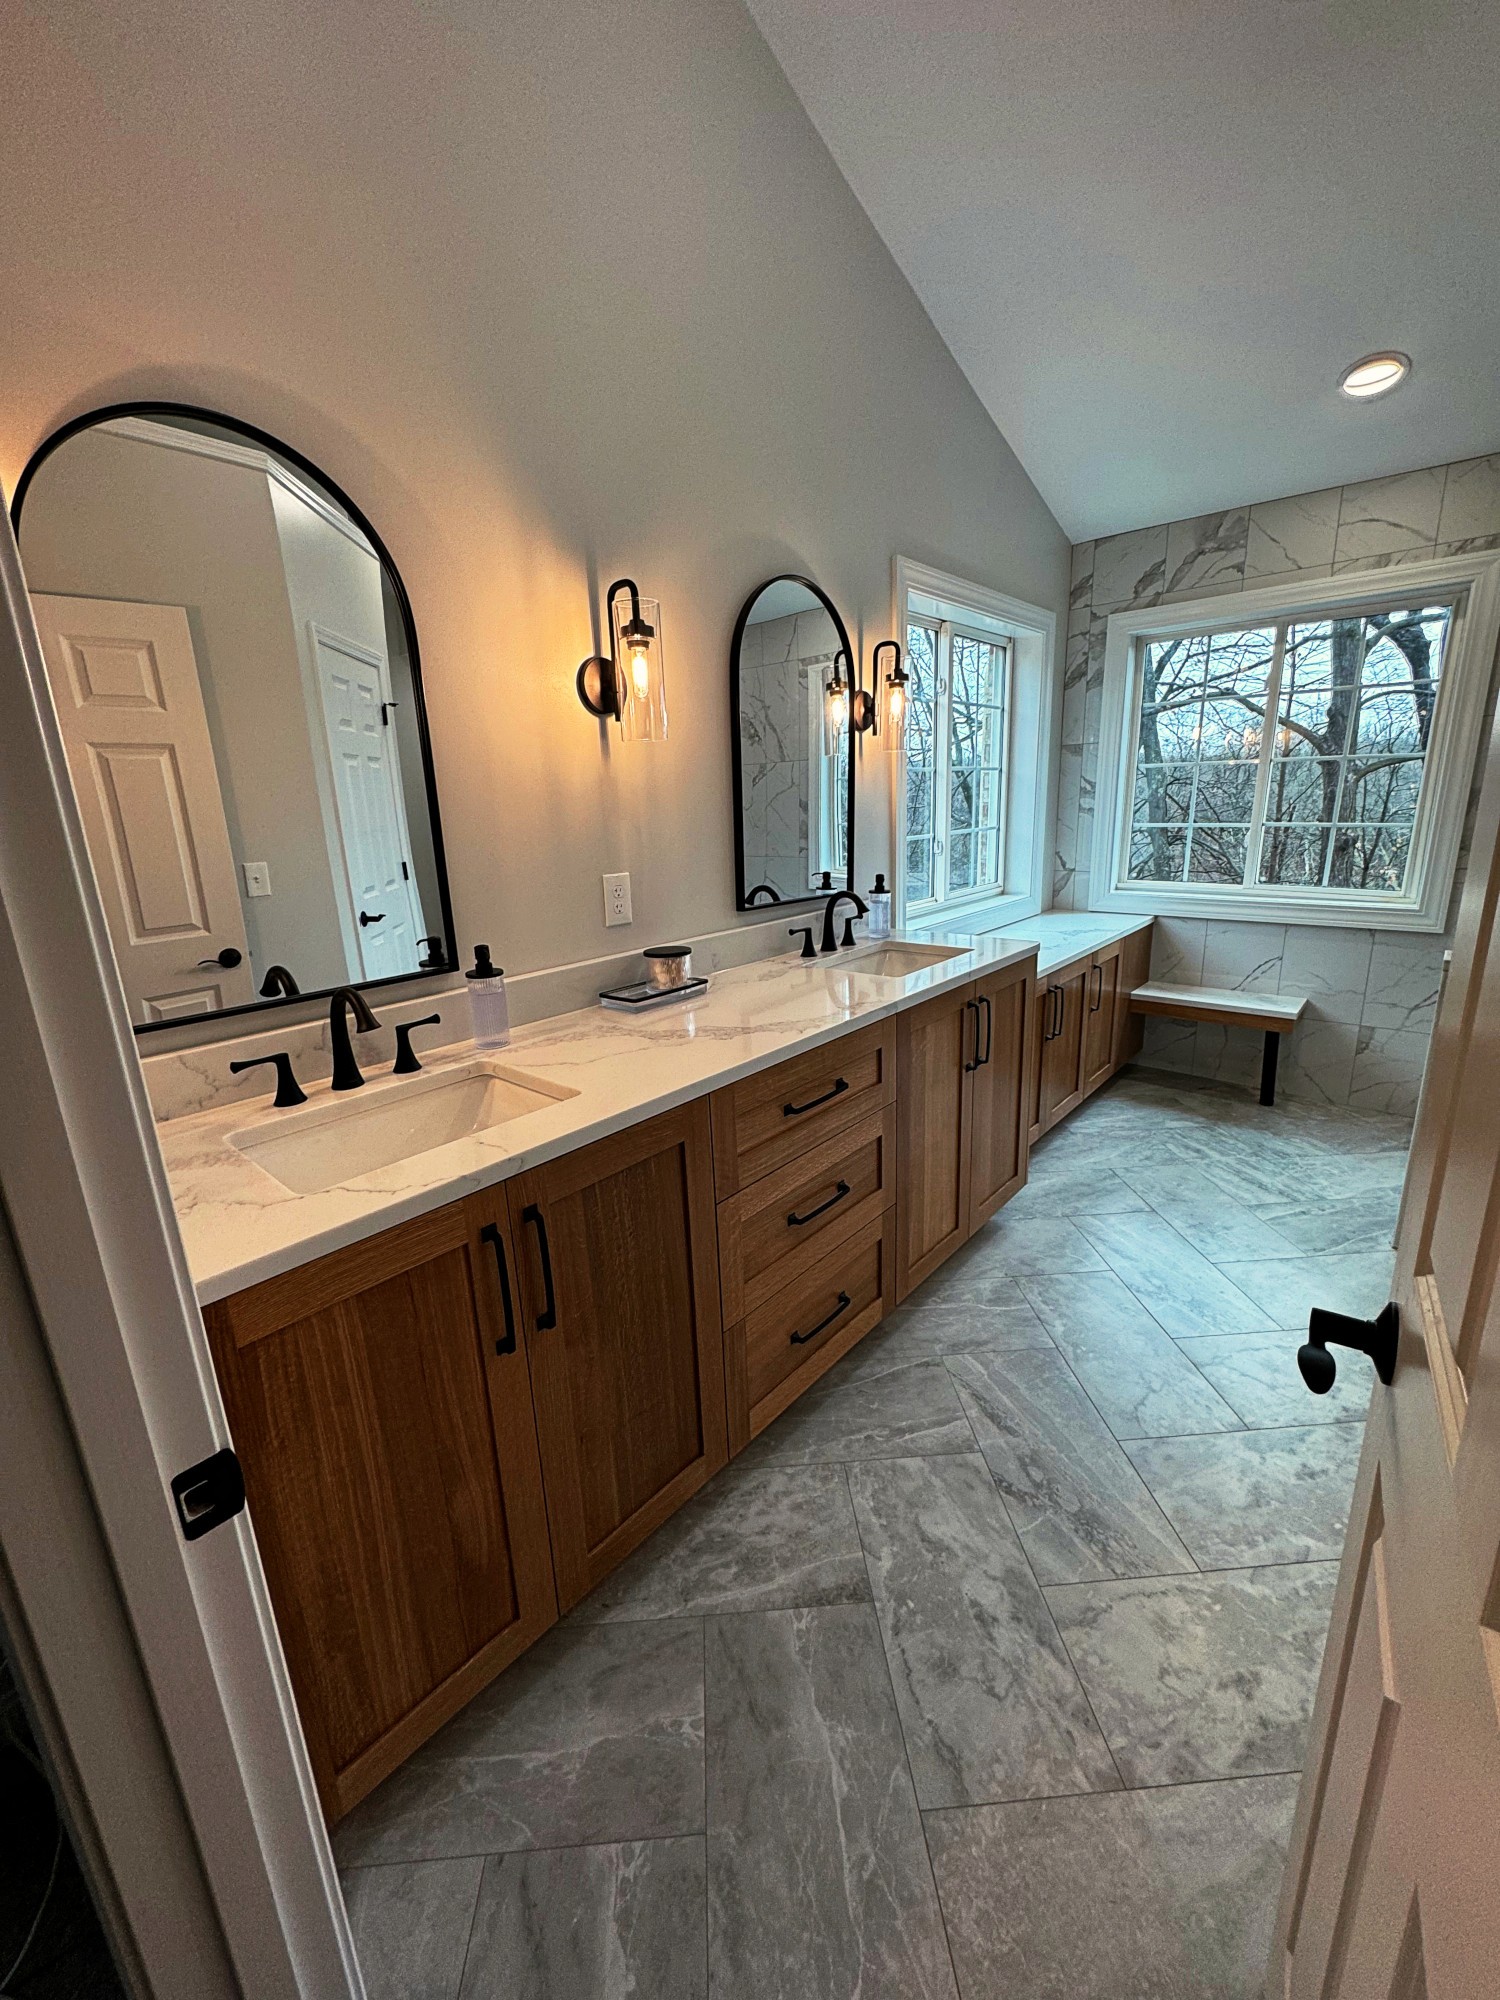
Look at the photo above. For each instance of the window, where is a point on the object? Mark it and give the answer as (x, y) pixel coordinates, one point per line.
(955, 762)
(1308, 760)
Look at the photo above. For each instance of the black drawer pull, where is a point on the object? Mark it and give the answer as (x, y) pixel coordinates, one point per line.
(801, 1339)
(989, 1028)
(975, 1005)
(795, 1221)
(547, 1317)
(491, 1234)
(796, 1110)
(1098, 999)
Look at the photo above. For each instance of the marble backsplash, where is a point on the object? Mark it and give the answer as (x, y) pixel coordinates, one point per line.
(1373, 993)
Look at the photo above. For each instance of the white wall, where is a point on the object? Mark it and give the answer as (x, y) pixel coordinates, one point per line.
(555, 293)
(1373, 993)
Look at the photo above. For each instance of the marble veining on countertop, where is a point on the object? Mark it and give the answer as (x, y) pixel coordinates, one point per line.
(1059, 935)
(240, 1225)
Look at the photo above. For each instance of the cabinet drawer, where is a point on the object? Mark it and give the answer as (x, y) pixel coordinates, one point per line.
(764, 1121)
(781, 1225)
(787, 1343)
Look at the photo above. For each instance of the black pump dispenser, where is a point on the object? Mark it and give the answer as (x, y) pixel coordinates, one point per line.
(483, 968)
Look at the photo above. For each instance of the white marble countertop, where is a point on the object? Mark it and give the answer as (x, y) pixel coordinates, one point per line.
(240, 1225)
(1059, 935)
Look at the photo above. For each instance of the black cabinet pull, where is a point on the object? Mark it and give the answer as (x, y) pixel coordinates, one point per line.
(795, 1221)
(801, 1339)
(989, 1028)
(1098, 1000)
(547, 1317)
(1060, 1010)
(796, 1110)
(491, 1234)
(974, 1004)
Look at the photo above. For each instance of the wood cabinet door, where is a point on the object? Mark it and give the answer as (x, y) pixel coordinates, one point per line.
(936, 1045)
(1135, 970)
(1062, 1049)
(620, 1296)
(380, 1406)
(1100, 996)
(1002, 1089)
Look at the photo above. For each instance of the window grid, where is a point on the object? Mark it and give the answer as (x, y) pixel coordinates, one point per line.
(956, 763)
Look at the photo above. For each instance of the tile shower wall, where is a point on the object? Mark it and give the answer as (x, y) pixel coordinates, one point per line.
(776, 657)
(1373, 993)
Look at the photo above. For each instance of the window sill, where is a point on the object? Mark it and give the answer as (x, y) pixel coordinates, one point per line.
(1326, 911)
(993, 913)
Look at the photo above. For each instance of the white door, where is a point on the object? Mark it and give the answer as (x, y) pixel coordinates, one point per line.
(1393, 1887)
(354, 688)
(125, 683)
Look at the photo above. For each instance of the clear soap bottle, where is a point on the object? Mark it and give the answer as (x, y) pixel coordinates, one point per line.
(489, 1010)
(878, 924)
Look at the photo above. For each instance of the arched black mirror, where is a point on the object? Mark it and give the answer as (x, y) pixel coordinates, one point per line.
(234, 664)
(790, 676)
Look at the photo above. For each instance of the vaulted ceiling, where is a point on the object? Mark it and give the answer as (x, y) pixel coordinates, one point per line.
(1152, 232)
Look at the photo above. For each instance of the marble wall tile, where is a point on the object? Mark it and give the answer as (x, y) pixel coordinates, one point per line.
(1178, 1286)
(1207, 554)
(411, 1926)
(1228, 1055)
(610, 1922)
(1258, 1496)
(818, 1875)
(1471, 501)
(751, 1541)
(1382, 516)
(1387, 1073)
(990, 1706)
(1169, 1045)
(1287, 536)
(1387, 559)
(1178, 947)
(1246, 957)
(594, 1735)
(1197, 1677)
(1079, 1506)
(1192, 1873)
(1317, 1062)
(1331, 967)
(1080, 588)
(1129, 569)
(1406, 974)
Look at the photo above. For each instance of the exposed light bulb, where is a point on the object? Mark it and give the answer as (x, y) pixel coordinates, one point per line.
(640, 671)
(898, 707)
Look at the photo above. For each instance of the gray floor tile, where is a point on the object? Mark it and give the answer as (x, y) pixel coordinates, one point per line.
(972, 1276)
(1143, 1385)
(1176, 1284)
(1357, 1283)
(1201, 1676)
(1030, 1245)
(918, 1331)
(1080, 1507)
(594, 1735)
(878, 1402)
(1363, 1222)
(1260, 1496)
(819, 1881)
(751, 1541)
(592, 1923)
(411, 1926)
(989, 1704)
(1167, 1895)
(1257, 1375)
(1069, 1303)
(1059, 1186)
(1216, 1225)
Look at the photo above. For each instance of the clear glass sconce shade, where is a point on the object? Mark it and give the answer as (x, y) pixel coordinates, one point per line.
(640, 668)
(835, 708)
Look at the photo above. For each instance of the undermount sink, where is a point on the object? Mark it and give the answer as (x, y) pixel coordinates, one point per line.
(313, 1150)
(900, 961)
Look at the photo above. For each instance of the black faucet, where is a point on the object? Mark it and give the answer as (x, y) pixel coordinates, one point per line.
(345, 1001)
(841, 896)
(279, 980)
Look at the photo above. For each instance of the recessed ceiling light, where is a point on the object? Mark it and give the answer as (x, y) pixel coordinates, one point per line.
(1375, 375)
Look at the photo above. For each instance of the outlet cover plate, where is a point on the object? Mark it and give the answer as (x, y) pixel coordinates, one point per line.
(617, 901)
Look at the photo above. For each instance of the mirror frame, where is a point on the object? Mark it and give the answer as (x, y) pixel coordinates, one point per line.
(274, 445)
(740, 884)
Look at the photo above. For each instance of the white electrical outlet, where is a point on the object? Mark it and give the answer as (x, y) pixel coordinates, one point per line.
(616, 901)
(257, 878)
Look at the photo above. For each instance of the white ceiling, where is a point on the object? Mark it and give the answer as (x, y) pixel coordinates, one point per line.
(1153, 231)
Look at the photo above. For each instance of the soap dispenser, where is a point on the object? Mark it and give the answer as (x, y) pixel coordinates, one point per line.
(489, 1010)
(879, 924)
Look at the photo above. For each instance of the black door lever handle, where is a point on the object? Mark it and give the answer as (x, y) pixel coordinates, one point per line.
(1378, 1337)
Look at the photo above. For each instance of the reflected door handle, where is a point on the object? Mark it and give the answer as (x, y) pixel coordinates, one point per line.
(228, 958)
(366, 917)
(1378, 1337)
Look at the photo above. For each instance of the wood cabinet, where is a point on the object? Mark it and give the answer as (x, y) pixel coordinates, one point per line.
(1135, 970)
(1101, 991)
(1059, 1075)
(379, 1403)
(619, 1295)
(963, 1069)
(1084, 1030)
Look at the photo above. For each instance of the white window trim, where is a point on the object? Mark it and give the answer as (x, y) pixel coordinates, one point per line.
(944, 631)
(1030, 783)
(1438, 831)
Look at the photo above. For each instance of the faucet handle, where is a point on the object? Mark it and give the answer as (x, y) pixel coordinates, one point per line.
(288, 1090)
(805, 932)
(846, 942)
(406, 1063)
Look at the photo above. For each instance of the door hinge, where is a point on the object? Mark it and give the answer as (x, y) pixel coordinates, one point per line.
(209, 1493)
(385, 712)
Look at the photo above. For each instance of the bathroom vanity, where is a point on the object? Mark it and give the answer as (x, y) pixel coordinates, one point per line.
(465, 1384)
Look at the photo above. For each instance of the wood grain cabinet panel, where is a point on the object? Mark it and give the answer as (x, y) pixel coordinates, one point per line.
(1135, 970)
(1100, 997)
(1060, 1050)
(1001, 1089)
(620, 1294)
(936, 1048)
(767, 1120)
(380, 1406)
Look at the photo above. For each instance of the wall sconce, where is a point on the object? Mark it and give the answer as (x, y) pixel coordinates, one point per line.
(864, 712)
(634, 693)
(836, 702)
